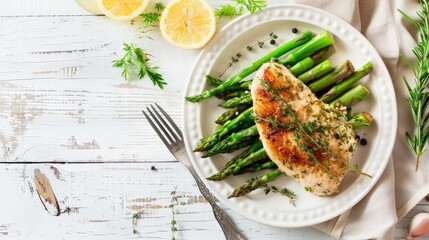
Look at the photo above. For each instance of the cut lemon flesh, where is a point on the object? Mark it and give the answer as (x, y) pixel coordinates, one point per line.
(122, 9)
(188, 23)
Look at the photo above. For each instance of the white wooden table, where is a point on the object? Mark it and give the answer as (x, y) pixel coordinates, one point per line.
(68, 118)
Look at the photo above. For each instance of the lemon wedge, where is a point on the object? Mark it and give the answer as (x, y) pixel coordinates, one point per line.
(122, 9)
(188, 23)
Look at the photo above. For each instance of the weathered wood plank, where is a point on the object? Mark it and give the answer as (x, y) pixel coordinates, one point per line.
(98, 200)
(59, 93)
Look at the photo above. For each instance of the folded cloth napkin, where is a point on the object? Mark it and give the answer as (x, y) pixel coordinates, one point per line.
(400, 188)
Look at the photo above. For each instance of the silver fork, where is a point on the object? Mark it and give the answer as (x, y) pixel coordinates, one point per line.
(173, 139)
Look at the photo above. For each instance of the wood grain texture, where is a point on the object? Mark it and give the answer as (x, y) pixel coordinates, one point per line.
(98, 200)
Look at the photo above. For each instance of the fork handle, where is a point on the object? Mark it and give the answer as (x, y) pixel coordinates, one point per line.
(228, 227)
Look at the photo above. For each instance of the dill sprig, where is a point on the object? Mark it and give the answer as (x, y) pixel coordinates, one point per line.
(229, 10)
(151, 18)
(136, 58)
(418, 98)
(173, 202)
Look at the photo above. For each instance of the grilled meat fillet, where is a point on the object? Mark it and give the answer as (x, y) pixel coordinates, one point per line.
(308, 140)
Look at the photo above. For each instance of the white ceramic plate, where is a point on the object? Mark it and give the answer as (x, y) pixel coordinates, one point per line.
(198, 118)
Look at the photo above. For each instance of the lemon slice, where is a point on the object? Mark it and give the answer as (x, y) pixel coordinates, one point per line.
(188, 23)
(122, 9)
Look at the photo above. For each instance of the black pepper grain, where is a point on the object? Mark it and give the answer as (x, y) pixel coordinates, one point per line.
(272, 41)
(337, 136)
(363, 141)
(357, 138)
(294, 30)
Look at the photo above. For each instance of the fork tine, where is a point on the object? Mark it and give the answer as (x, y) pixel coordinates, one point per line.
(172, 133)
(160, 126)
(156, 129)
(170, 121)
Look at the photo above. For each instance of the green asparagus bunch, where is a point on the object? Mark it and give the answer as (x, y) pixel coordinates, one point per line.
(308, 60)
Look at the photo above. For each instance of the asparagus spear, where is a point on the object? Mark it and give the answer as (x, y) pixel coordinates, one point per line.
(232, 113)
(341, 87)
(357, 93)
(219, 133)
(255, 146)
(312, 61)
(340, 72)
(322, 40)
(245, 98)
(258, 166)
(255, 183)
(214, 82)
(231, 140)
(230, 94)
(238, 165)
(361, 120)
(241, 145)
(298, 41)
(316, 72)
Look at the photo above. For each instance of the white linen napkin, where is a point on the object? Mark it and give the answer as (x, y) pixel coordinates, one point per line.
(400, 188)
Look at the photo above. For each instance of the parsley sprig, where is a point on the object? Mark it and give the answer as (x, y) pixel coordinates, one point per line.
(418, 98)
(236, 9)
(136, 58)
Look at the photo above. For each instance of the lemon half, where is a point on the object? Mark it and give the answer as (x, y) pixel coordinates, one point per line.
(188, 23)
(122, 9)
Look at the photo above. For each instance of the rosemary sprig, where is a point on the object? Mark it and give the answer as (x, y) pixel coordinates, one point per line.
(151, 18)
(229, 10)
(418, 98)
(136, 58)
(173, 202)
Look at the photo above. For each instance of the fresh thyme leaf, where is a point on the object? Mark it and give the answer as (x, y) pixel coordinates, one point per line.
(228, 10)
(418, 98)
(150, 18)
(136, 58)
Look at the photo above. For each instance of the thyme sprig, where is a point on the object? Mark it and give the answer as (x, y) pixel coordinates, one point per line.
(269, 188)
(173, 202)
(418, 98)
(236, 58)
(134, 220)
(355, 169)
(284, 191)
(229, 10)
(136, 58)
(151, 18)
